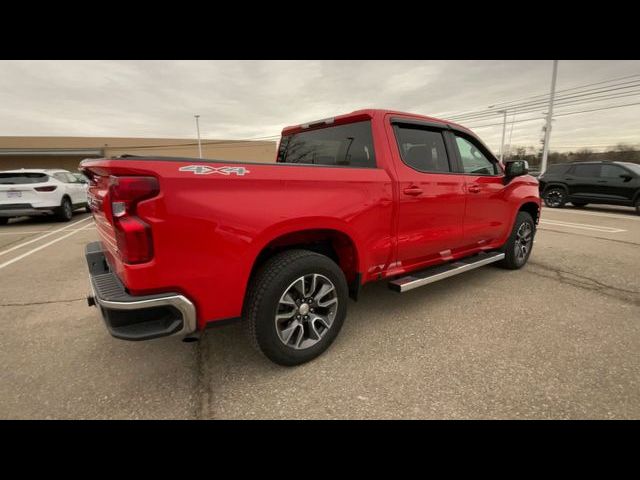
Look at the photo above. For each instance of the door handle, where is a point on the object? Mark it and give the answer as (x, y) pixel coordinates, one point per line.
(473, 189)
(569, 178)
(413, 190)
(602, 181)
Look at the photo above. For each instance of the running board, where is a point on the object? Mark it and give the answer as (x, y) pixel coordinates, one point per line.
(433, 274)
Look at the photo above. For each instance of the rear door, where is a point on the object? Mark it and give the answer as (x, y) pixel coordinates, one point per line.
(583, 182)
(431, 196)
(487, 213)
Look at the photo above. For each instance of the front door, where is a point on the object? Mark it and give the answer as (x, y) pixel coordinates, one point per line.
(487, 211)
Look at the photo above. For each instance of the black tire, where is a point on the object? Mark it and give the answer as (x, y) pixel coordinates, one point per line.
(267, 288)
(555, 197)
(579, 204)
(513, 260)
(87, 209)
(4, 220)
(65, 212)
(638, 206)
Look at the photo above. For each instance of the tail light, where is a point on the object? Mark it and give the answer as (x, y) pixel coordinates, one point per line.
(133, 235)
(50, 188)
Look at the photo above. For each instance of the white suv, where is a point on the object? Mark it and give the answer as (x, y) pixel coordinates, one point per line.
(30, 192)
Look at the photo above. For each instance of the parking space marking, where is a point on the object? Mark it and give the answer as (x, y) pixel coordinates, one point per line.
(36, 231)
(594, 214)
(582, 226)
(20, 245)
(41, 247)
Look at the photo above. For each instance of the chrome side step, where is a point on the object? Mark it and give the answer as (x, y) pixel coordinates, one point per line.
(433, 274)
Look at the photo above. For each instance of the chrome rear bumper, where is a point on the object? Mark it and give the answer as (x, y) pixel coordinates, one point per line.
(132, 317)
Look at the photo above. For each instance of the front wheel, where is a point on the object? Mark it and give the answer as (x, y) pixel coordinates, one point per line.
(520, 243)
(295, 307)
(638, 206)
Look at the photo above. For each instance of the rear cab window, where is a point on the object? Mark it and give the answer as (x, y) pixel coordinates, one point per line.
(349, 145)
(16, 178)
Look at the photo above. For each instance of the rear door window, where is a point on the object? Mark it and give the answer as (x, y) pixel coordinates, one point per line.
(8, 178)
(587, 170)
(422, 149)
(348, 145)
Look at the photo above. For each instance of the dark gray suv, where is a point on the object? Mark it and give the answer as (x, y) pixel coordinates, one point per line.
(580, 183)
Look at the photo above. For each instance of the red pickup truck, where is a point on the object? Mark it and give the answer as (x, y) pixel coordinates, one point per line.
(372, 195)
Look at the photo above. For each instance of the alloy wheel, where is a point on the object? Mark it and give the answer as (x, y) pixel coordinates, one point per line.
(524, 240)
(306, 311)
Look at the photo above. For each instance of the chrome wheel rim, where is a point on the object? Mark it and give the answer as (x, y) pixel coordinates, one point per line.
(524, 239)
(554, 198)
(306, 311)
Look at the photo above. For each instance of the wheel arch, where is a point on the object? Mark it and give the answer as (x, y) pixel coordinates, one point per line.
(332, 242)
(532, 208)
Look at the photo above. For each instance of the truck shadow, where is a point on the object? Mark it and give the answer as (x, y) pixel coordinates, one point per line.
(228, 351)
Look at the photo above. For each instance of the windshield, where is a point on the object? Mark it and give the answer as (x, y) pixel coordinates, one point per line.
(16, 178)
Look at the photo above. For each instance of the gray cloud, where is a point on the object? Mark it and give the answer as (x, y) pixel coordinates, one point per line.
(246, 99)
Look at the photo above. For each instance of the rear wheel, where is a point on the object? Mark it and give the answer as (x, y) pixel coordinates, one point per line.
(295, 307)
(520, 243)
(65, 211)
(555, 197)
(4, 220)
(638, 206)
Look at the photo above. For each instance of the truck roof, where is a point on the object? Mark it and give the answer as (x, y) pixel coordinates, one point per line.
(364, 115)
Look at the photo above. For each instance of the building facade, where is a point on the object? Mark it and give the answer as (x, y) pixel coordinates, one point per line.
(68, 152)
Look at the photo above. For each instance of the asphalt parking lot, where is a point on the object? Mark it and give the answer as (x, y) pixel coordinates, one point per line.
(558, 339)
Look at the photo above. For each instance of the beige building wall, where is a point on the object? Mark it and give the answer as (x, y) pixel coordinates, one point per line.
(67, 152)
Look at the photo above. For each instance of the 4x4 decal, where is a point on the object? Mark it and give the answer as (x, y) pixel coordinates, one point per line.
(204, 170)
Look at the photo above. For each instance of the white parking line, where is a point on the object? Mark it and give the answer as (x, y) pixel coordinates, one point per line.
(594, 214)
(37, 249)
(582, 226)
(20, 245)
(36, 231)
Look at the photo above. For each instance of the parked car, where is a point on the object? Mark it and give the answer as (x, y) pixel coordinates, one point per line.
(32, 192)
(600, 182)
(81, 178)
(373, 195)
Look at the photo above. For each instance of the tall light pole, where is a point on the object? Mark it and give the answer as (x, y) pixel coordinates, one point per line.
(547, 131)
(504, 129)
(198, 129)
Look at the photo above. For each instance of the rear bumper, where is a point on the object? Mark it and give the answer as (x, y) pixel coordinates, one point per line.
(23, 209)
(130, 317)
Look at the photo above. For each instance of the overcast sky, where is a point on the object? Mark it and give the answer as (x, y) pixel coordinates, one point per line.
(248, 99)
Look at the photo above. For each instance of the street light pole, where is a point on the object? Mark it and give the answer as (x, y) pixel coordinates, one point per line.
(547, 132)
(198, 129)
(504, 129)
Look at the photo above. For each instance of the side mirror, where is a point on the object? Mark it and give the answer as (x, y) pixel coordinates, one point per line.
(626, 177)
(516, 168)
